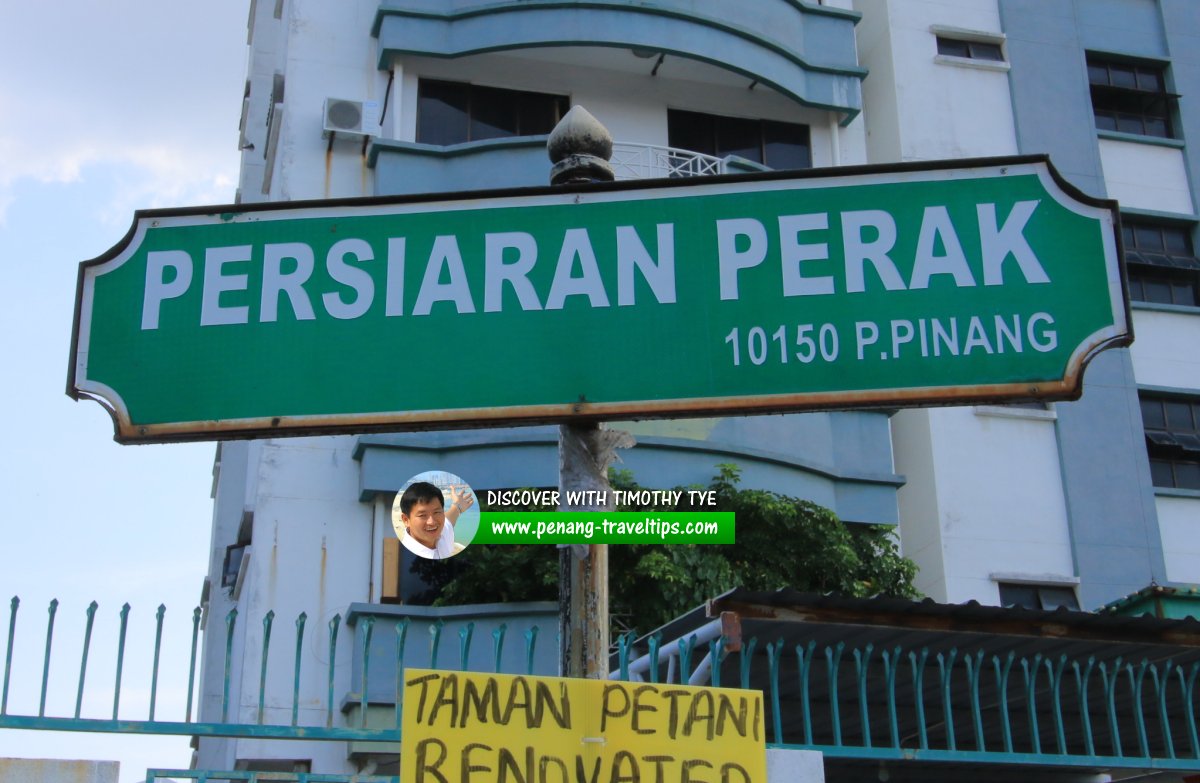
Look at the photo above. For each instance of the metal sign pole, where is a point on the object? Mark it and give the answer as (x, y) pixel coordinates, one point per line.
(580, 148)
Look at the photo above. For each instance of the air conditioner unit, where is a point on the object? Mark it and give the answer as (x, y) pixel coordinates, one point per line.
(357, 118)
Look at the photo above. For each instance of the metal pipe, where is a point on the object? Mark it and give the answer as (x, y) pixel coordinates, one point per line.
(702, 671)
(703, 635)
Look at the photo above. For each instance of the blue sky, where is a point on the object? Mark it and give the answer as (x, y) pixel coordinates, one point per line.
(104, 108)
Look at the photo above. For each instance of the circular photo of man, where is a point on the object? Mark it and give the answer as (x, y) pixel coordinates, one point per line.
(434, 515)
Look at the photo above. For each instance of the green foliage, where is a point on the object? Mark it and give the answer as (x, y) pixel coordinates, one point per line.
(781, 542)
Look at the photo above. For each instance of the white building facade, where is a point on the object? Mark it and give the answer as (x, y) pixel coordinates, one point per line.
(1056, 504)
(1048, 502)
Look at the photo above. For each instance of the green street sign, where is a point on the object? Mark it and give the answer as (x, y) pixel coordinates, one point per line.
(857, 286)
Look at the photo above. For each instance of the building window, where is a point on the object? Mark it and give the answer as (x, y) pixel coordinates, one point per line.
(237, 554)
(1029, 596)
(1162, 263)
(232, 565)
(971, 50)
(1130, 97)
(453, 113)
(1172, 440)
(779, 145)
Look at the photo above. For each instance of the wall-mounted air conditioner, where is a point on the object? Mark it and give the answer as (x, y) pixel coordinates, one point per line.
(351, 118)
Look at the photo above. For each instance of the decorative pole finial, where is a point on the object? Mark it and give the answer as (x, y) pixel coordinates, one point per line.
(579, 146)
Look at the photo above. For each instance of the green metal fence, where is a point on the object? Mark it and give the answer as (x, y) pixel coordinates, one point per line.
(1116, 706)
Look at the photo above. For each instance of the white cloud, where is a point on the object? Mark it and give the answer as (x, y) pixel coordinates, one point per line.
(153, 88)
(167, 177)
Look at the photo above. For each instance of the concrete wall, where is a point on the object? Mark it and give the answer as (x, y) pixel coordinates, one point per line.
(922, 106)
(1146, 176)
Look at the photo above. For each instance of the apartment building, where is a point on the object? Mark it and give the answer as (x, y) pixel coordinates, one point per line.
(1071, 504)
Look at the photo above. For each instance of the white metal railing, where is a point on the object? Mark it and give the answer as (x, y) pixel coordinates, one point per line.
(644, 161)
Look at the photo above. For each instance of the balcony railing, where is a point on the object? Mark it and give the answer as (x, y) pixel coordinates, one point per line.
(644, 161)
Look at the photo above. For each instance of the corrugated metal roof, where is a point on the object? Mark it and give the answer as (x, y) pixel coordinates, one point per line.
(796, 617)
(971, 617)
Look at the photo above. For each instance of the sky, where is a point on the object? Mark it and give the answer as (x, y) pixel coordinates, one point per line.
(105, 108)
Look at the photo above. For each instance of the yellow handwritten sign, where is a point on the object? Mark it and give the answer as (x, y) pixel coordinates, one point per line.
(465, 727)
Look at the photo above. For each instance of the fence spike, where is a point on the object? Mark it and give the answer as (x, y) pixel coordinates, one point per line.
(435, 633)
(1055, 674)
(946, 671)
(267, 621)
(368, 628)
(974, 670)
(804, 666)
(83, 660)
(685, 658)
(1160, 688)
(464, 645)
(1110, 692)
(230, 624)
(774, 653)
(1189, 687)
(746, 657)
(334, 623)
(918, 670)
(890, 665)
(192, 664)
(301, 620)
(158, 624)
(624, 643)
(12, 632)
(498, 645)
(401, 639)
(1031, 674)
(530, 644)
(1139, 715)
(833, 659)
(53, 610)
(1002, 688)
(653, 644)
(862, 665)
(1082, 683)
(120, 659)
(716, 652)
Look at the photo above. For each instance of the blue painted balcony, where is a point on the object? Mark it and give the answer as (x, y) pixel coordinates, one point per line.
(405, 168)
(803, 50)
(799, 51)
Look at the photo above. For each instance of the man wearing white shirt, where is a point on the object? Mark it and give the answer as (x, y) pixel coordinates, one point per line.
(428, 524)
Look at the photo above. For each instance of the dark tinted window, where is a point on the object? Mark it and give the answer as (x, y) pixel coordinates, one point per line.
(1130, 97)
(975, 50)
(1161, 262)
(453, 113)
(780, 145)
(1037, 596)
(1172, 427)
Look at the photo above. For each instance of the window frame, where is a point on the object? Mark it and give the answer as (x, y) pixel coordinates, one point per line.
(1041, 592)
(477, 95)
(1132, 109)
(762, 128)
(974, 48)
(1172, 444)
(1170, 261)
